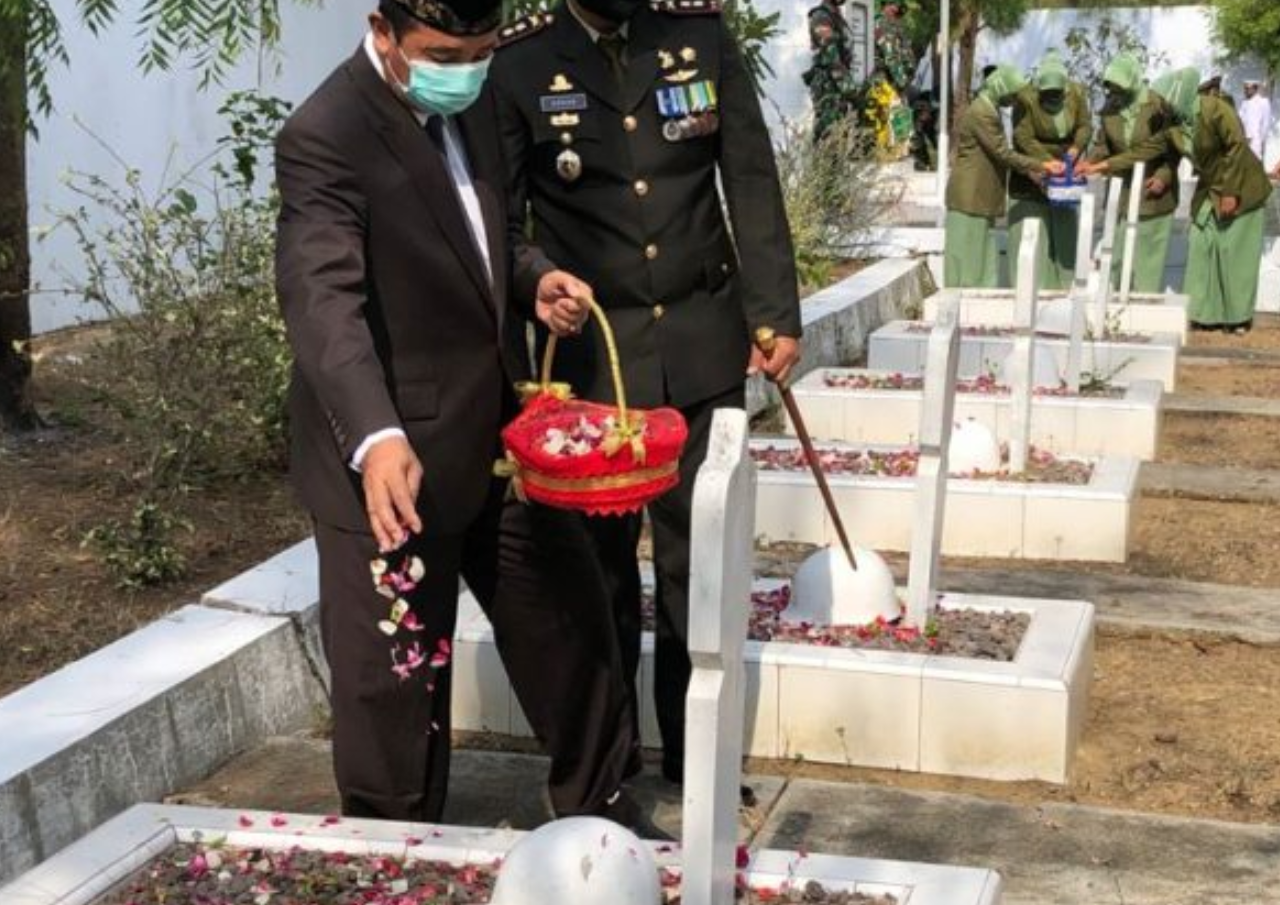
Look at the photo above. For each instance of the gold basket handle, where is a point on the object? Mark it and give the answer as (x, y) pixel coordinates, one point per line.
(615, 365)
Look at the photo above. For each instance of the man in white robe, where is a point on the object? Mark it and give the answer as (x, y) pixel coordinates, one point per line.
(1255, 114)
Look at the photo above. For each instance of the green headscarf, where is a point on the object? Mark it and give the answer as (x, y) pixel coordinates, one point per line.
(1125, 72)
(1181, 88)
(1051, 75)
(1004, 83)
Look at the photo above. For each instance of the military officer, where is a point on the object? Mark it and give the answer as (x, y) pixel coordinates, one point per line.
(618, 118)
(832, 83)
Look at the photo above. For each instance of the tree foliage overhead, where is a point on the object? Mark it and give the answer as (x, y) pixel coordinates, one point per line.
(1249, 28)
(208, 36)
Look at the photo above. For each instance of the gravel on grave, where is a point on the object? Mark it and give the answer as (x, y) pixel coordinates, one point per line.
(1112, 336)
(209, 874)
(985, 385)
(976, 634)
(1043, 467)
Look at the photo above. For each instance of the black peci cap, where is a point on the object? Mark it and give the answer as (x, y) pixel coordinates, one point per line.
(455, 17)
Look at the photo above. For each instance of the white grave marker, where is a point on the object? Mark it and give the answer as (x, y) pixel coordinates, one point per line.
(1020, 366)
(937, 416)
(1080, 293)
(723, 550)
(1115, 186)
(1136, 192)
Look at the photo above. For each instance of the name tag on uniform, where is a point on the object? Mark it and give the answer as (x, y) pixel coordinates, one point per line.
(562, 103)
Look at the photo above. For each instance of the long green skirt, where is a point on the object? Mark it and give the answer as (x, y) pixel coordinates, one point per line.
(1058, 227)
(1222, 267)
(1153, 250)
(970, 257)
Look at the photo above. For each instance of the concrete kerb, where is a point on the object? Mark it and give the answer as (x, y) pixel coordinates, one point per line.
(839, 320)
(156, 710)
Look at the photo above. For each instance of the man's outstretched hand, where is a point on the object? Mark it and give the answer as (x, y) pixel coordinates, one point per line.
(392, 477)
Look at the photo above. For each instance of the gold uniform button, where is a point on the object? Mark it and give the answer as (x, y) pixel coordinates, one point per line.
(651, 252)
(630, 123)
(641, 187)
(658, 312)
(566, 138)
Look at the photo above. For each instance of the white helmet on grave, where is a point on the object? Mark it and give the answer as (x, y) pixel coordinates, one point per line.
(579, 861)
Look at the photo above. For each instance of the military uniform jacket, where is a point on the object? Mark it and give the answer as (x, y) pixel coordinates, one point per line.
(1224, 162)
(983, 160)
(1161, 158)
(1044, 136)
(618, 185)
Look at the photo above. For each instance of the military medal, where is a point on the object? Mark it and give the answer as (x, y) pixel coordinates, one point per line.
(688, 111)
(569, 165)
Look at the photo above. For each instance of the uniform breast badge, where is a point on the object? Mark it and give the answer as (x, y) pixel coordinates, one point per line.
(688, 111)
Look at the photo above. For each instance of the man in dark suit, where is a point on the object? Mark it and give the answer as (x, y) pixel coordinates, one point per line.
(393, 276)
(618, 118)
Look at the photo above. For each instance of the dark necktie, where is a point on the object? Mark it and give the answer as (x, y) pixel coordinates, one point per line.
(435, 131)
(614, 48)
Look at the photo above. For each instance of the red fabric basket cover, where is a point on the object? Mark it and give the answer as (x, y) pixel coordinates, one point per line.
(595, 483)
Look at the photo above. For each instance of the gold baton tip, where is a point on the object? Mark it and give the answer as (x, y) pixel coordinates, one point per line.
(766, 338)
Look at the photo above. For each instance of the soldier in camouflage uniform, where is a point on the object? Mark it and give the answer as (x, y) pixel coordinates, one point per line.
(830, 79)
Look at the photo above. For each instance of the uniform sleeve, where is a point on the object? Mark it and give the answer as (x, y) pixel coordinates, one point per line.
(749, 176)
(1025, 139)
(989, 134)
(1084, 121)
(529, 263)
(321, 285)
(1144, 151)
(1236, 153)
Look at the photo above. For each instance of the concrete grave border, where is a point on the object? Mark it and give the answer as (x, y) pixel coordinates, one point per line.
(1143, 313)
(92, 866)
(895, 348)
(1081, 425)
(1006, 519)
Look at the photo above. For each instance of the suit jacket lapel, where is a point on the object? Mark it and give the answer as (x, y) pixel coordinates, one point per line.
(410, 145)
(487, 174)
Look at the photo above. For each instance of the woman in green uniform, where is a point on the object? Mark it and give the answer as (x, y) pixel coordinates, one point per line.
(1134, 115)
(1228, 210)
(1051, 121)
(976, 188)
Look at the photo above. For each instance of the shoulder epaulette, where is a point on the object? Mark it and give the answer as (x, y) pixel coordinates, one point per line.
(686, 7)
(523, 28)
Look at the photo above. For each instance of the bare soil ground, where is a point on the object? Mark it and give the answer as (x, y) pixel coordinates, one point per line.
(1177, 725)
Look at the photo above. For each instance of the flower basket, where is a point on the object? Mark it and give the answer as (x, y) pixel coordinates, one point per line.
(594, 458)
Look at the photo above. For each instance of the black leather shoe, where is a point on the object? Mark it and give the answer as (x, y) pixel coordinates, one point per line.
(626, 811)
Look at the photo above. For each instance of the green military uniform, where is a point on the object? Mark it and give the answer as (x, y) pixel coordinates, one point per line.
(976, 187)
(832, 83)
(1223, 253)
(1123, 141)
(893, 48)
(1046, 131)
(615, 173)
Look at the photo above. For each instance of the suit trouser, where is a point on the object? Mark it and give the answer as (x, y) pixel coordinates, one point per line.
(616, 539)
(532, 571)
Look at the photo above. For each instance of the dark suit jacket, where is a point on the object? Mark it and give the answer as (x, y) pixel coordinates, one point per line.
(392, 319)
(645, 223)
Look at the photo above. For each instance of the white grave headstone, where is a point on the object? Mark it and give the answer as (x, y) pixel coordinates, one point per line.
(860, 16)
(1020, 365)
(578, 861)
(937, 414)
(1080, 293)
(722, 556)
(1115, 186)
(1137, 182)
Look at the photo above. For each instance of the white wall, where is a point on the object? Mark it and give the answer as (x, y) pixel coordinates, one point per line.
(146, 118)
